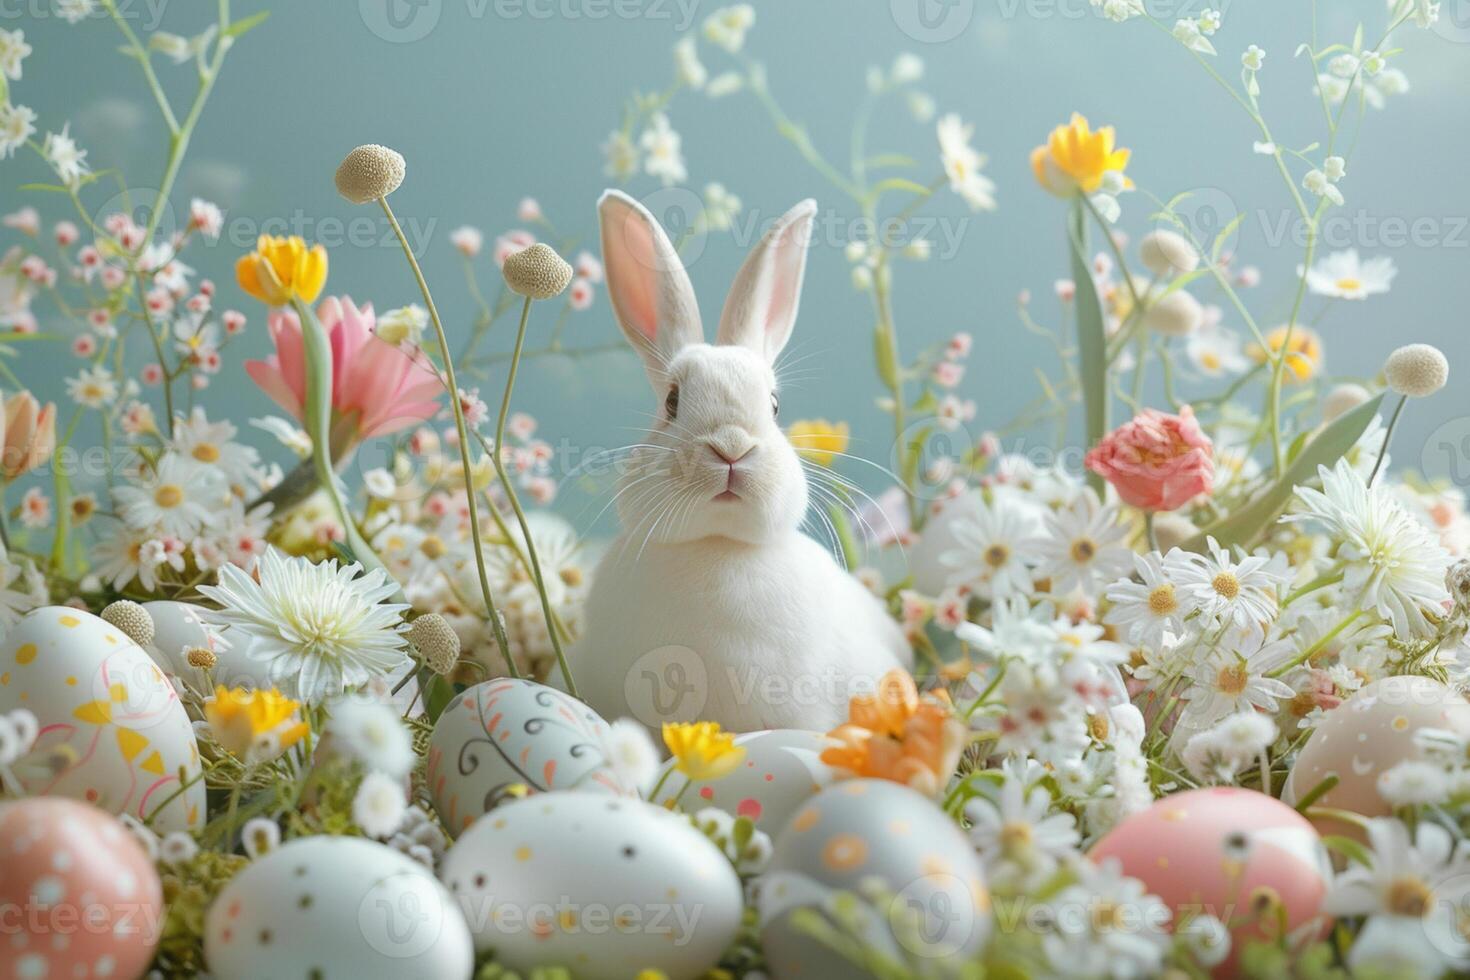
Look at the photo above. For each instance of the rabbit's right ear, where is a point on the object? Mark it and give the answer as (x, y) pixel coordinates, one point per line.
(650, 291)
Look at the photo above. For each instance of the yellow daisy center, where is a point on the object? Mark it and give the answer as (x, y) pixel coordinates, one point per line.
(1083, 550)
(169, 495)
(1409, 896)
(1226, 585)
(1349, 285)
(1232, 680)
(1161, 600)
(997, 555)
(206, 452)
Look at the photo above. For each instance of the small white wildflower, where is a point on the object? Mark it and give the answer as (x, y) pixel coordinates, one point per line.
(379, 805)
(1317, 182)
(1253, 58)
(1413, 783)
(1343, 66)
(177, 848)
(261, 835)
(631, 754)
(1188, 33)
(1335, 168)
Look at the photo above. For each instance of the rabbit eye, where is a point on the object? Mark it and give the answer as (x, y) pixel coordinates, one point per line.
(775, 405)
(671, 403)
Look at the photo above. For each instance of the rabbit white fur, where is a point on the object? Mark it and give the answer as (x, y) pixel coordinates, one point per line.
(713, 603)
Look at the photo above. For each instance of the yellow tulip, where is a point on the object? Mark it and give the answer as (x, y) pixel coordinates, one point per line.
(1303, 356)
(701, 751)
(818, 440)
(282, 269)
(1075, 158)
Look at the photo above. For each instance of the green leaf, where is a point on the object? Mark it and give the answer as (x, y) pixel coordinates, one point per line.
(1224, 235)
(437, 696)
(1092, 342)
(250, 23)
(1246, 523)
(1349, 849)
(49, 188)
(891, 160)
(901, 184)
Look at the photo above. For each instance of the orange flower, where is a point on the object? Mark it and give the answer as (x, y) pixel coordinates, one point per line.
(896, 734)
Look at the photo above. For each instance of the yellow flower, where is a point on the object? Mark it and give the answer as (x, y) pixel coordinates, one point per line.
(260, 722)
(1075, 158)
(1304, 356)
(281, 269)
(818, 440)
(701, 751)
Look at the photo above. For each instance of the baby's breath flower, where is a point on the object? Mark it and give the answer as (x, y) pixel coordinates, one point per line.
(379, 805)
(370, 172)
(177, 848)
(260, 836)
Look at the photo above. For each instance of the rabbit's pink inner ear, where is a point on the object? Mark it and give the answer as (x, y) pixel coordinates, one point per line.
(630, 262)
(761, 309)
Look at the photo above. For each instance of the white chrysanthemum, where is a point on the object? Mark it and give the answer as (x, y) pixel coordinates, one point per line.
(1393, 564)
(323, 628)
(373, 734)
(1083, 547)
(996, 546)
(1343, 275)
(177, 498)
(379, 805)
(1148, 609)
(1417, 370)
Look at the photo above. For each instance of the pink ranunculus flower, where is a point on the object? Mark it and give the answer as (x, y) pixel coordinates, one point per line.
(1157, 461)
(377, 387)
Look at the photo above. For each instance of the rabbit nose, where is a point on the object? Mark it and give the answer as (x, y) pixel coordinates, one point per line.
(730, 455)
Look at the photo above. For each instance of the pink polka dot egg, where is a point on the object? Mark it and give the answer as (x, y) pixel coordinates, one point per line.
(1236, 854)
(782, 769)
(79, 894)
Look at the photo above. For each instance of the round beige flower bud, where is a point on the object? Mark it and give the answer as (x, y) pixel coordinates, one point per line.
(132, 619)
(1416, 370)
(1171, 530)
(1176, 314)
(1343, 399)
(537, 272)
(1167, 254)
(436, 641)
(202, 658)
(370, 172)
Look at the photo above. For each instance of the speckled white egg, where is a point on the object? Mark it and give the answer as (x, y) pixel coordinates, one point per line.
(863, 832)
(106, 710)
(504, 732)
(781, 771)
(604, 886)
(1364, 737)
(336, 908)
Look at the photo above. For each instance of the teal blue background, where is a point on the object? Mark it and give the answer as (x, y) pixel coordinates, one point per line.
(499, 101)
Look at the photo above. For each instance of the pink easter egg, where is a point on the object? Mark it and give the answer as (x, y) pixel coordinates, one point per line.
(1225, 852)
(78, 895)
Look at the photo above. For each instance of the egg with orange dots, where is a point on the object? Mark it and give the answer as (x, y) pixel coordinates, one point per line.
(81, 895)
(1244, 857)
(1364, 737)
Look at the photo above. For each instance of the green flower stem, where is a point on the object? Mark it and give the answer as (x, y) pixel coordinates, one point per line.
(1316, 648)
(1393, 422)
(491, 610)
(168, 381)
(317, 418)
(498, 461)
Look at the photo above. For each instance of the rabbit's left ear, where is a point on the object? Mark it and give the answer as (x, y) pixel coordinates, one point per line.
(761, 308)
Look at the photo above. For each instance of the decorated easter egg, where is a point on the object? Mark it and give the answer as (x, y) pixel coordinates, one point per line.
(336, 907)
(782, 769)
(81, 896)
(507, 732)
(861, 834)
(112, 729)
(1236, 854)
(603, 886)
(1365, 736)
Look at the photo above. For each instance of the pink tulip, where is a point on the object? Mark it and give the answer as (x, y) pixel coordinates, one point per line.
(377, 388)
(1157, 461)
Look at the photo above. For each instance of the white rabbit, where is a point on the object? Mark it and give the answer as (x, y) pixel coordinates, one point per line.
(713, 604)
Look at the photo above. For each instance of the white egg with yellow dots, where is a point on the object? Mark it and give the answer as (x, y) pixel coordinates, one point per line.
(112, 730)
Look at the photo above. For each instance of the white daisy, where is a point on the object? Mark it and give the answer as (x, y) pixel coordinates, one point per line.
(962, 164)
(66, 158)
(1238, 595)
(1216, 351)
(1083, 547)
(116, 557)
(93, 387)
(1088, 940)
(1148, 609)
(663, 156)
(379, 805)
(1234, 679)
(1018, 826)
(177, 497)
(13, 50)
(1343, 275)
(211, 446)
(323, 628)
(997, 544)
(1393, 564)
(17, 124)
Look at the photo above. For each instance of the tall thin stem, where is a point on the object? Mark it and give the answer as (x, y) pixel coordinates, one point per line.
(496, 622)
